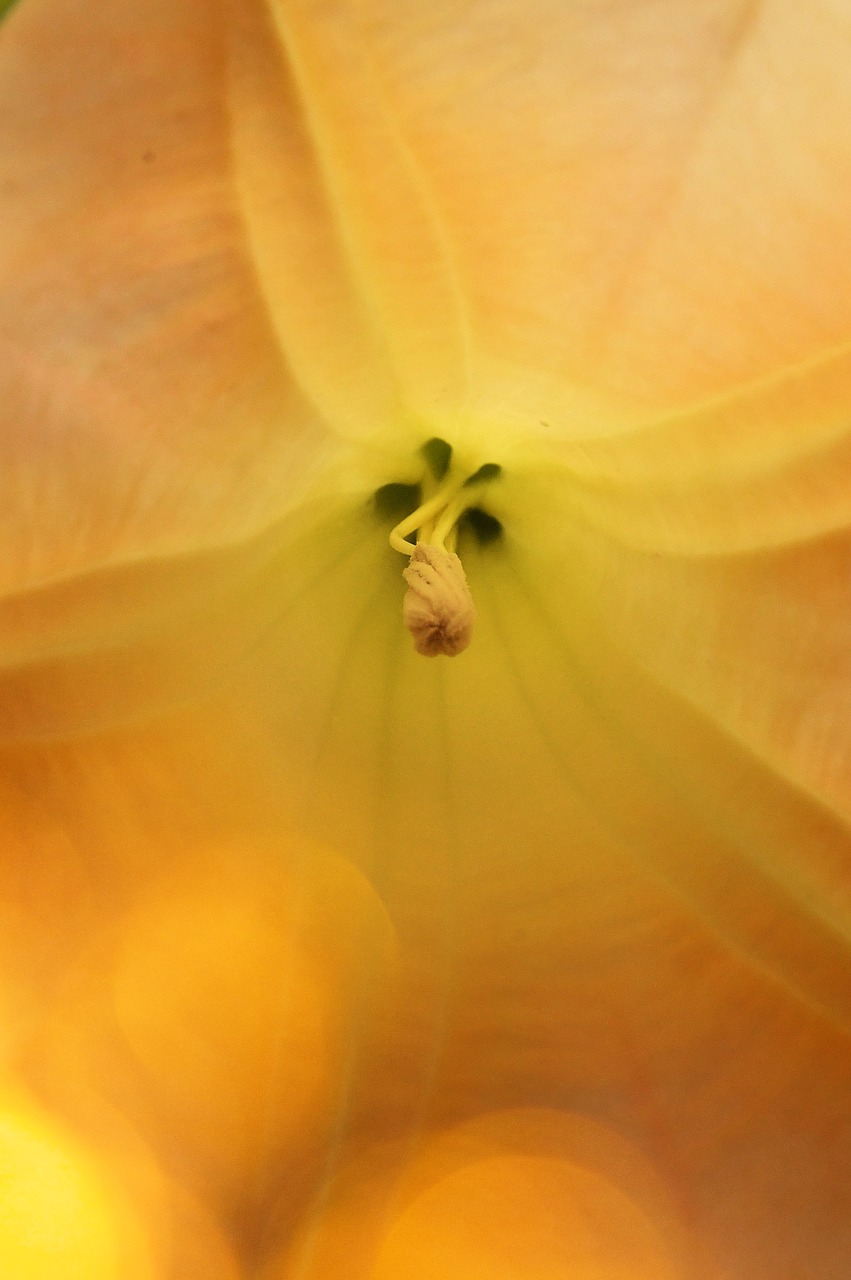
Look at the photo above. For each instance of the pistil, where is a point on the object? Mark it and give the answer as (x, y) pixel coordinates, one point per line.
(438, 608)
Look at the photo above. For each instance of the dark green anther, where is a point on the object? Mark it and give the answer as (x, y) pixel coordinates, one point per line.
(484, 527)
(488, 471)
(395, 501)
(438, 455)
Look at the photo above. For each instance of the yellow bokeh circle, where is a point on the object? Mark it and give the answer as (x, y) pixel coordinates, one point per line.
(60, 1219)
(237, 987)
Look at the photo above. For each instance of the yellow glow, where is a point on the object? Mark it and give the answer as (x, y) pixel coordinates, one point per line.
(58, 1217)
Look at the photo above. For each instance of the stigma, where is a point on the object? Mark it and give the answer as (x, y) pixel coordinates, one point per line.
(438, 608)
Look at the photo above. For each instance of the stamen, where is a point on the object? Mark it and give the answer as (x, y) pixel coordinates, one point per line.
(423, 517)
(438, 609)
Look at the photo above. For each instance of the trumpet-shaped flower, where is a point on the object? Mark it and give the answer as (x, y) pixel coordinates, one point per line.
(427, 444)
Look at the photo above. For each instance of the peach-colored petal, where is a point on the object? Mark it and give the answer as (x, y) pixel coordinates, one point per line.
(145, 405)
(766, 466)
(501, 202)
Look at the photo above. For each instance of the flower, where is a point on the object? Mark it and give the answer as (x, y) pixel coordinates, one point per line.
(561, 920)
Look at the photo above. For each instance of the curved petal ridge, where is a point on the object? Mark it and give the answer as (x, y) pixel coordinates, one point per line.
(775, 915)
(759, 642)
(766, 467)
(798, 504)
(378, 250)
(177, 632)
(796, 410)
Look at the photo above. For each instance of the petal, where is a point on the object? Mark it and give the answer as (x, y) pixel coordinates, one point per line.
(602, 904)
(145, 406)
(547, 211)
(766, 466)
(759, 644)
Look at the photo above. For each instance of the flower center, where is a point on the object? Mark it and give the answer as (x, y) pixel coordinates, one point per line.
(438, 608)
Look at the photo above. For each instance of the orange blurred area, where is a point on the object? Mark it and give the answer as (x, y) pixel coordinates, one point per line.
(47, 911)
(236, 987)
(525, 1194)
(196, 1037)
(218, 1013)
(513, 1217)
